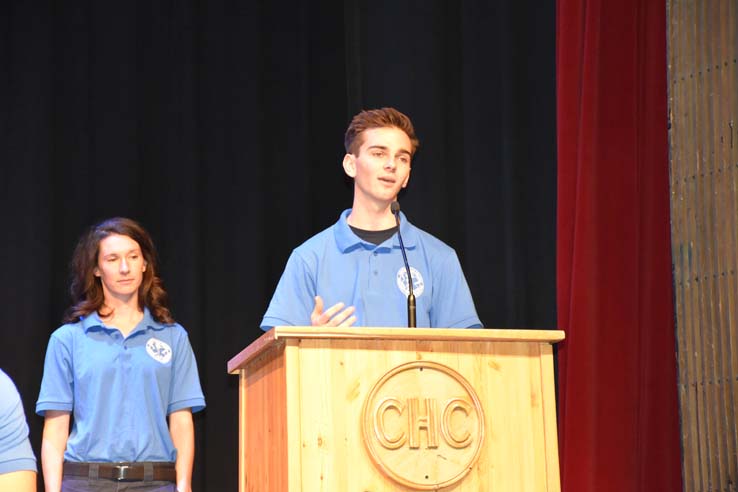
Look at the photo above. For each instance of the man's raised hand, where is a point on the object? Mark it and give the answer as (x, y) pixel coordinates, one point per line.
(335, 315)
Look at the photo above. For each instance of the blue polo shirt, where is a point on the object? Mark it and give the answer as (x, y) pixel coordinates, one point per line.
(15, 449)
(337, 265)
(120, 389)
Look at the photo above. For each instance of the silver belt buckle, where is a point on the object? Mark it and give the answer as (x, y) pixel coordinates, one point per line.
(122, 472)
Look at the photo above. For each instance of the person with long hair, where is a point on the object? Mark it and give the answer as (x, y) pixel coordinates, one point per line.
(122, 371)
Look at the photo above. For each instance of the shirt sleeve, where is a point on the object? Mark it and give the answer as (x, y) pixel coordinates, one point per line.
(186, 391)
(15, 448)
(453, 306)
(293, 299)
(57, 385)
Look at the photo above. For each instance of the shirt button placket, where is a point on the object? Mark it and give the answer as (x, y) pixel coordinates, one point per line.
(373, 270)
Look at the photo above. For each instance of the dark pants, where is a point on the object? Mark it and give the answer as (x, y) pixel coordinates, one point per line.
(80, 484)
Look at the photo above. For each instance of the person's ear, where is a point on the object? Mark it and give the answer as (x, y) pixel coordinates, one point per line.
(349, 165)
(407, 178)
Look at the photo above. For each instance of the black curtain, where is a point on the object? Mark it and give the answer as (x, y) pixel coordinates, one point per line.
(219, 125)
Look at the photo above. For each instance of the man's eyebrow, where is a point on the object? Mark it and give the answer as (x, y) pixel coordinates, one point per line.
(379, 146)
(384, 147)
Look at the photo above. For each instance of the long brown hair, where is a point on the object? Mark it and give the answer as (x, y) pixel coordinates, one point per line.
(86, 289)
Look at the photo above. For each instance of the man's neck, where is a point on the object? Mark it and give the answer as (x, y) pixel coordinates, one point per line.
(371, 218)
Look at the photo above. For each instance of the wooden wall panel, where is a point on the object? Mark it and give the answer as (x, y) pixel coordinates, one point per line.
(703, 110)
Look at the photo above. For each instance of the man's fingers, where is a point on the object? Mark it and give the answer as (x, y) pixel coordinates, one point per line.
(331, 311)
(343, 316)
(321, 318)
(316, 317)
(318, 309)
(349, 321)
(335, 315)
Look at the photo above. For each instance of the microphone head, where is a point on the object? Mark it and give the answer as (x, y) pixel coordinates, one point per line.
(395, 207)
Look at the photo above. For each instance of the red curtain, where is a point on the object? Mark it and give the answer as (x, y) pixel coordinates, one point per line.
(618, 408)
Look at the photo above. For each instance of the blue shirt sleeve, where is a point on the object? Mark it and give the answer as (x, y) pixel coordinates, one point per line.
(57, 385)
(293, 299)
(452, 305)
(15, 449)
(186, 391)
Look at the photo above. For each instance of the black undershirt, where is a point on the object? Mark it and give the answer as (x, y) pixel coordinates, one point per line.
(374, 237)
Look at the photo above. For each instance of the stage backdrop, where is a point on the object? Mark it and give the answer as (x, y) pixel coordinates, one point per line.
(618, 411)
(219, 126)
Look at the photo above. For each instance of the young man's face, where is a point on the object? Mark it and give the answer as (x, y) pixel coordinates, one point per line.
(381, 167)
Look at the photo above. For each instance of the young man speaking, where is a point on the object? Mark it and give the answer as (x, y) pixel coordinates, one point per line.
(353, 273)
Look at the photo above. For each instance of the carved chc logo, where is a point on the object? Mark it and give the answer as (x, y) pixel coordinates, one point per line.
(423, 425)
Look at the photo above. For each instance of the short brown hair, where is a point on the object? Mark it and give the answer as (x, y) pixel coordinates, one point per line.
(86, 289)
(378, 118)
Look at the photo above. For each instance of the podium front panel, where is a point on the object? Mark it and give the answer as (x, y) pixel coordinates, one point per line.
(343, 414)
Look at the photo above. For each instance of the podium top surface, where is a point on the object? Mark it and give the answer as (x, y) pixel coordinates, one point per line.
(279, 333)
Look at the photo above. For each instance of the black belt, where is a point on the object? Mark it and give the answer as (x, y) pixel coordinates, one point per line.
(123, 472)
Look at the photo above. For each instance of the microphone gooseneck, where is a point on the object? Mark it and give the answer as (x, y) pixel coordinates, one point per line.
(411, 323)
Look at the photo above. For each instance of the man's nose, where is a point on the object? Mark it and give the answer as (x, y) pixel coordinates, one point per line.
(390, 163)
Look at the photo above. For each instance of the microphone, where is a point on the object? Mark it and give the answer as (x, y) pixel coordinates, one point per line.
(395, 208)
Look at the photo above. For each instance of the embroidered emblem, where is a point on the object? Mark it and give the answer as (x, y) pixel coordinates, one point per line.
(418, 284)
(158, 350)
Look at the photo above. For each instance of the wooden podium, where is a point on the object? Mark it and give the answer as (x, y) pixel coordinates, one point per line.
(397, 409)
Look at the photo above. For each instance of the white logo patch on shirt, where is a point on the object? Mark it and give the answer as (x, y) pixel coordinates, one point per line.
(158, 350)
(418, 283)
